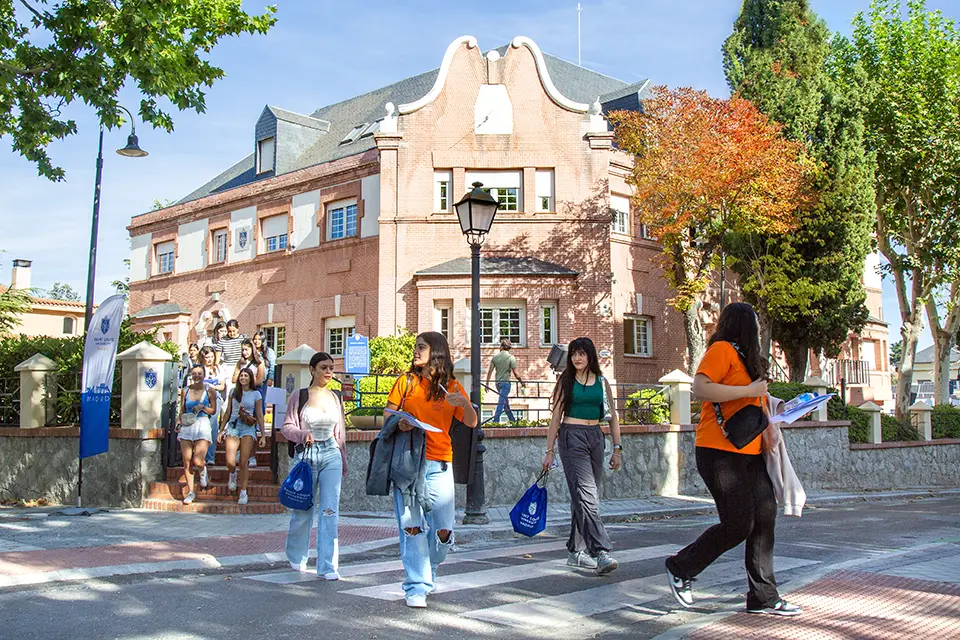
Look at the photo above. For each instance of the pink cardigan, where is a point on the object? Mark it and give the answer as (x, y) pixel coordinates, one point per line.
(294, 431)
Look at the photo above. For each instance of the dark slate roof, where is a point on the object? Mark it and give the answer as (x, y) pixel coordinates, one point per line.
(300, 119)
(165, 309)
(574, 82)
(499, 266)
(925, 356)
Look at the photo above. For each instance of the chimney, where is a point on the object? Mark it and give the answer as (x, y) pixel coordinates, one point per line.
(20, 276)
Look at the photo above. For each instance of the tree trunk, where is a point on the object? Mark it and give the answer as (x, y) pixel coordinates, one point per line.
(797, 361)
(941, 369)
(944, 339)
(910, 333)
(766, 332)
(696, 340)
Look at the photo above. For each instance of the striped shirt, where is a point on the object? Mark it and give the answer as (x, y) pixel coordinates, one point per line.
(229, 349)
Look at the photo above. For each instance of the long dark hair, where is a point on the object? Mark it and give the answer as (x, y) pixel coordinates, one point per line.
(216, 331)
(738, 325)
(563, 393)
(318, 357)
(238, 389)
(254, 352)
(439, 370)
(207, 349)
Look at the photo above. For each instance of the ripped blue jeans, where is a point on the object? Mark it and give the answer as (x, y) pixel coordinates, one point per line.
(422, 553)
(326, 471)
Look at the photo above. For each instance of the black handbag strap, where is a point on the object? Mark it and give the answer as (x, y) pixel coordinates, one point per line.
(717, 409)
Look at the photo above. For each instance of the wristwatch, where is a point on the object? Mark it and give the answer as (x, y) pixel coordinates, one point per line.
(618, 448)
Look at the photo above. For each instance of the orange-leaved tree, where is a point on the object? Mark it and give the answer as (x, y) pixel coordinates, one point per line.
(705, 166)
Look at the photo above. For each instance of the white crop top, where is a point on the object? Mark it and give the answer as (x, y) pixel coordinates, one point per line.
(320, 423)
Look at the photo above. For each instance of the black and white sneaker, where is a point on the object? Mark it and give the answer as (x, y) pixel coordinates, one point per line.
(780, 608)
(681, 588)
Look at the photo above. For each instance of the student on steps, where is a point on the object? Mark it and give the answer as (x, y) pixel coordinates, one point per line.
(194, 430)
(240, 425)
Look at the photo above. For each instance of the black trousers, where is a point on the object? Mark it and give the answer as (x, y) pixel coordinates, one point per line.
(581, 453)
(747, 508)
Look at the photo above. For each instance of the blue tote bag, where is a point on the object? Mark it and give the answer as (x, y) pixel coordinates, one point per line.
(296, 492)
(529, 515)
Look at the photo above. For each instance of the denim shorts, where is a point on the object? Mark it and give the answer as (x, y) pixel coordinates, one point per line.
(237, 429)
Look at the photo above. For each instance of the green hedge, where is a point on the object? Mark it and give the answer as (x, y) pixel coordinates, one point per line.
(946, 421)
(647, 406)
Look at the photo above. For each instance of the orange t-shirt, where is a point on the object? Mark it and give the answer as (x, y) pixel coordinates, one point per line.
(721, 363)
(438, 413)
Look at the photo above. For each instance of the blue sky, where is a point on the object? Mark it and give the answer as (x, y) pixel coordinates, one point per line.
(324, 52)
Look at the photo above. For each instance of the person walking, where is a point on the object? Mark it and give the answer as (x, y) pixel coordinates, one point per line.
(213, 340)
(240, 425)
(269, 357)
(503, 364)
(430, 394)
(214, 379)
(315, 421)
(730, 377)
(229, 347)
(194, 431)
(250, 360)
(581, 401)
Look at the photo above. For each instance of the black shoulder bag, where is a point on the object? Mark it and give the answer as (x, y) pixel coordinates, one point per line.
(745, 425)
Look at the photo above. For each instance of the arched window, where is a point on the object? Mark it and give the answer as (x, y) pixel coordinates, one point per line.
(68, 325)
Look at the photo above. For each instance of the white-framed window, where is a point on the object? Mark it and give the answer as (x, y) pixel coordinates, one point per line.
(266, 150)
(443, 317)
(645, 232)
(548, 324)
(868, 353)
(337, 331)
(544, 179)
(620, 208)
(638, 336)
(505, 186)
(502, 319)
(341, 220)
(275, 337)
(165, 252)
(274, 233)
(220, 245)
(441, 190)
(69, 326)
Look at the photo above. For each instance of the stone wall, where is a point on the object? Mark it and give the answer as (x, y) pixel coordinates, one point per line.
(42, 463)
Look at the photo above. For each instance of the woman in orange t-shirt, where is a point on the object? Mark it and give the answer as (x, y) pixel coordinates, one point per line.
(431, 395)
(733, 375)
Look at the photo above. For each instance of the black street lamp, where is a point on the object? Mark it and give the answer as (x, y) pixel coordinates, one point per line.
(476, 211)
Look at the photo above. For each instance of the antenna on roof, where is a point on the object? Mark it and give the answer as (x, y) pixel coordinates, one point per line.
(578, 35)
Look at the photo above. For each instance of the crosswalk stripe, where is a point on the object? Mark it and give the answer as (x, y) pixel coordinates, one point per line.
(554, 611)
(506, 575)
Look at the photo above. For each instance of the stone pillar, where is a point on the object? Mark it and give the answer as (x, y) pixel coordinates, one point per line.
(296, 368)
(819, 386)
(144, 378)
(679, 393)
(874, 434)
(921, 412)
(38, 391)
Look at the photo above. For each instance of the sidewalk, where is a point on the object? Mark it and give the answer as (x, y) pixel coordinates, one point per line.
(39, 546)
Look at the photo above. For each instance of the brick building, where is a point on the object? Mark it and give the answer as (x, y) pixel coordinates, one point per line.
(342, 221)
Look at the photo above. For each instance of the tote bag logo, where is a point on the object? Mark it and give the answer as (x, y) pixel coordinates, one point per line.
(105, 325)
(298, 485)
(532, 509)
(150, 378)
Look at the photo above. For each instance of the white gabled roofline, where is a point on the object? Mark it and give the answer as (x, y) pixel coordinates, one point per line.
(551, 89)
(410, 107)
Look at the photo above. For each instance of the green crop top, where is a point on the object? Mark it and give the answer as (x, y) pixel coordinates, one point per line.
(587, 402)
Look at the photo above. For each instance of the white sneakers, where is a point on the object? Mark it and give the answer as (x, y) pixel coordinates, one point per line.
(252, 462)
(333, 575)
(190, 498)
(416, 601)
(232, 482)
(204, 478)
(299, 567)
(243, 498)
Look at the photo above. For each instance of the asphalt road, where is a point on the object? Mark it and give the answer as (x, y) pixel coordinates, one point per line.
(506, 588)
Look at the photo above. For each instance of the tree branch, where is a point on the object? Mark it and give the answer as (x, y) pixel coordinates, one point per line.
(39, 15)
(20, 71)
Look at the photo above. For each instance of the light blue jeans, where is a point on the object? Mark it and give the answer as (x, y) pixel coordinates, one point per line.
(503, 404)
(422, 554)
(326, 472)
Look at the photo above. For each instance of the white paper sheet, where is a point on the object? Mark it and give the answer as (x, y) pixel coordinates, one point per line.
(789, 417)
(406, 416)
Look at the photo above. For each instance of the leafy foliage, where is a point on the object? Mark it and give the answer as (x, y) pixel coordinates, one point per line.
(703, 167)
(392, 354)
(13, 303)
(61, 291)
(647, 406)
(89, 49)
(945, 421)
(806, 285)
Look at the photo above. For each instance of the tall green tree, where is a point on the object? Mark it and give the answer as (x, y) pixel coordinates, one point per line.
(908, 70)
(13, 303)
(806, 285)
(53, 53)
(62, 291)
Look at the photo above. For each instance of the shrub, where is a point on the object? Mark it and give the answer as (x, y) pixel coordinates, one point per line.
(787, 390)
(522, 424)
(946, 421)
(392, 354)
(647, 406)
(371, 392)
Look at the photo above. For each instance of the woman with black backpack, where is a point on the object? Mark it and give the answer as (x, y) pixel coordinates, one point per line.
(315, 423)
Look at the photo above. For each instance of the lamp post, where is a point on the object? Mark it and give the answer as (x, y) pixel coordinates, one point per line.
(132, 150)
(476, 211)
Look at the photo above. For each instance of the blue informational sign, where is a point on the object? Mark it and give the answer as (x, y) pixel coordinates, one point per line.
(356, 355)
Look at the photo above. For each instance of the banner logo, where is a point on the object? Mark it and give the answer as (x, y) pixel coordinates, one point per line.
(105, 325)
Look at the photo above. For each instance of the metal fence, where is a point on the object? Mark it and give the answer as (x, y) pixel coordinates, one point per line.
(10, 401)
(853, 372)
(69, 388)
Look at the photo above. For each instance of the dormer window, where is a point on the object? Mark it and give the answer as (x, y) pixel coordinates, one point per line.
(266, 150)
(370, 129)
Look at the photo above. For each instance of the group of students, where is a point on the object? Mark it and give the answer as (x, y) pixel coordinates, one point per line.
(732, 374)
(224, 385)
